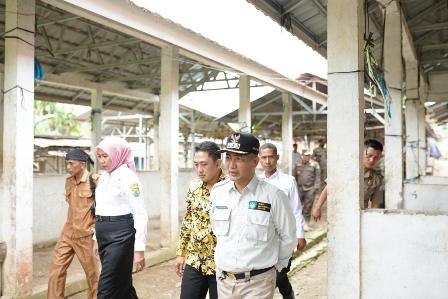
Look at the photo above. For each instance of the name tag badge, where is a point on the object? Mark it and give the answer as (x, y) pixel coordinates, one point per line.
(221, 207)
(260, 206)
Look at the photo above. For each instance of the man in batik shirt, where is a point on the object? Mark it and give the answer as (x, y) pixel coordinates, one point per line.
(195, 252)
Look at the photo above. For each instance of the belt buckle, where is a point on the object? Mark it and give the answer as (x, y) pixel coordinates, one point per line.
(231, 276)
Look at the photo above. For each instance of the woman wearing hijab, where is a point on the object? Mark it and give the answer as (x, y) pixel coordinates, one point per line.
(121, 220)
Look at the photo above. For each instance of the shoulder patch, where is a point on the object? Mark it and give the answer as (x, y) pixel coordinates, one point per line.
(135, 189)
(195, 184)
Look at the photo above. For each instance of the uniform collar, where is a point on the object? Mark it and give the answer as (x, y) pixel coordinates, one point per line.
(252, 186)
(276, 174)
(84, 177)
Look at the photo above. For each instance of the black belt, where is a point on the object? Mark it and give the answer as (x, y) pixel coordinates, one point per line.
(242, 275)
(113, 218)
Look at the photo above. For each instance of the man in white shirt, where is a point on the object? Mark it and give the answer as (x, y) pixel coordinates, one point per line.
(287, 183)
(253, 224)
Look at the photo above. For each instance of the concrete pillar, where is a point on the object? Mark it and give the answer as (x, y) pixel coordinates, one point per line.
(1, 126)
(244, 117)
(96, 119)
(156, 117)
(345, 139)
(17, 199)
(412, 144)
(169, 143)
(193, 133)
(411, 120)
(287, 132)
(393, 156)
(422, 138)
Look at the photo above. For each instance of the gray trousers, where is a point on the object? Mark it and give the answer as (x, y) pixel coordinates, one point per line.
(307, 200)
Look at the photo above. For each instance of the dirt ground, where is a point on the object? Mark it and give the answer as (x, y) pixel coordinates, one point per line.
(160, 282)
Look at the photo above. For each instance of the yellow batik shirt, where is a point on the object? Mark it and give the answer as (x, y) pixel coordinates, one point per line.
(197, 241)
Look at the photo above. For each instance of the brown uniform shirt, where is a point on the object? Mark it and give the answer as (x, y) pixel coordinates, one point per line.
(308, 175)
(80, 221)
(373, 188)
(320, 155)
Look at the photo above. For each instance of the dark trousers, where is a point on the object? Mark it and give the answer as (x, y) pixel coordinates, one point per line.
(195, 284)
(283, 284)
(116, 249)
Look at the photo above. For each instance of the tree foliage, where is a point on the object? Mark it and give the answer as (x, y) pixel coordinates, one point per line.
(52, 119)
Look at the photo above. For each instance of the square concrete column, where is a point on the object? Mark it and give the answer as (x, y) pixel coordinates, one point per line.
(244, 116)
(393, 155)
(96, 119)
(412, 142)
(156, 118)
(18, 141)
(2, 78)
(345, 139)
(168, 144)
(287, 132)
(422, 138)
(411, 120)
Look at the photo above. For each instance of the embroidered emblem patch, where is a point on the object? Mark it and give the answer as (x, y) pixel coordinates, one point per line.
(260, 206)
(135, 190)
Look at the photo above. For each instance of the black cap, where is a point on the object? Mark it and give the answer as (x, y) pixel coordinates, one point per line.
(242, 143)
(79, 155)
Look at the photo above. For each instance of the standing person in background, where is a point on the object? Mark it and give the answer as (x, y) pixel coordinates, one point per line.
(308, 180)
(253, 223)
(195, 252)
(268, 160)
(295, 159)
(320, 156)
(76, 236)
(121, 220)
(373, 180)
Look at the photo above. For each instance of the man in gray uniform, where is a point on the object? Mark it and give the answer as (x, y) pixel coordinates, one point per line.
(320, 156)
(308, 180)
(253, 223)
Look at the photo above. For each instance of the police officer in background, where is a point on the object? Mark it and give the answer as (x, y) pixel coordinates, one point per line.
(308, 180)
(76, 236)
(253, 223)
(320, 156)
(286, 183)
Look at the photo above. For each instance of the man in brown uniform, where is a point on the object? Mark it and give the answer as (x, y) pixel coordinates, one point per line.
(308, 180)
(76, 236)
(373, 179)
(320, 156)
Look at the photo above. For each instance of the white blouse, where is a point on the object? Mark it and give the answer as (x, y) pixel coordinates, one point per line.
(120, 193)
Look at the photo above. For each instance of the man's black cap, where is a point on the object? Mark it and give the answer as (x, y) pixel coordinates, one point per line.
(78, 155)
(242, 143)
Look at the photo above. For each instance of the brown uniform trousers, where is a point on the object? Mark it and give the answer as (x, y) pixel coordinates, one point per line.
(308, 181)
(76, 239)
(320, 156)
(373, 189)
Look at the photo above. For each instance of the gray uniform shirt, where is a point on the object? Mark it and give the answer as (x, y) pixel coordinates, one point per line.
(255, 229)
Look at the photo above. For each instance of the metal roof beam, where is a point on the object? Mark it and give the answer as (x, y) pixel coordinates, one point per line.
(435, 61)
(302, 103)
(60, 19)
(291, 5)
(442, 46)
(430, 27)
(427, 11)
(105, 66)
(320, 7)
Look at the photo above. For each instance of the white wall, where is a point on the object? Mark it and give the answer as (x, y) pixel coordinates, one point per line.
(404, 255)
(50, 208)
(426, 197)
